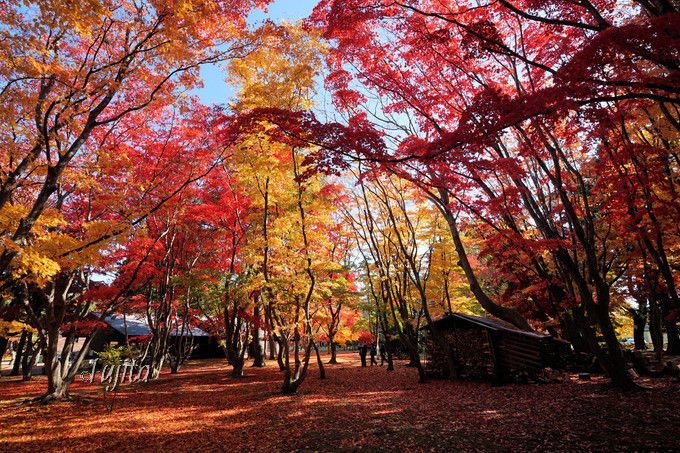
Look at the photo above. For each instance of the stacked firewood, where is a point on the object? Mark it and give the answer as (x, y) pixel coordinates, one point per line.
(471, 353)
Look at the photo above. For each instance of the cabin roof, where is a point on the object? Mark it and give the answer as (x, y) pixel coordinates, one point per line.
(487, 323)
(137, 326)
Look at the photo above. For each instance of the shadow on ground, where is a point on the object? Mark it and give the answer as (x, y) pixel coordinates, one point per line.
(354, 409)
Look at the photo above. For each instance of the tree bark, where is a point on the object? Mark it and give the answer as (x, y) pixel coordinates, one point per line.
(614, 361)
(272, 348)
(322, 370)
(673, 345)
(61, 371)
(572, 332)
(390, 361)
(639, 333)
(279, 356)
(292, 381)
(236, 368)
(16, 367)
(158, 352)
(334, 352)
(655, 328)
(506, 314)
(3, 348)
(258, 355)
(28, 359)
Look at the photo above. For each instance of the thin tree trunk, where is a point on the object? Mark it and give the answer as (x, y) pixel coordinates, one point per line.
(28, 360)
(279, 355)
(507, 314)
(322, 370)
(639, 323)
(390, 361)
(258, 354)
(55, 385)
(572, 332)
(673, 338)
(16, 367)
(614, 362)
(4, 342)
(290, 384)
(414, 356)
(655, 329)
(237, 368)
(334, 352)
(61, 373)
(272, 348)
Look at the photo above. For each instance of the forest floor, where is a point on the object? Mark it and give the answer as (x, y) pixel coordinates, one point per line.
(367, 409)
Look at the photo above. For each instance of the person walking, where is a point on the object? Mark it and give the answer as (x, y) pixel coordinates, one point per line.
(374, 352)
(363, 349)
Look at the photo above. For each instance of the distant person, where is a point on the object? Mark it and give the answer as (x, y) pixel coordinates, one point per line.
(383, 355)
(363, 349)
(374, 352)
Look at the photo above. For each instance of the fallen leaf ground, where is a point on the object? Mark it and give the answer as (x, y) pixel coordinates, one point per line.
(369, 409)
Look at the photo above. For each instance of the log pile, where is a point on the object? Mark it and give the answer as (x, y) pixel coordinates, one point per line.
(471, 350)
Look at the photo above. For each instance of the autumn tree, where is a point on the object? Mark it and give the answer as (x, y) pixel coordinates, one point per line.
(75, 75)
(288, 251)
(337, 311)
(500, 128)
(77, 80)
(393, 226)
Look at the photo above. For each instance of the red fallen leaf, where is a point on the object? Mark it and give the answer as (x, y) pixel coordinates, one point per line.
(355, 408)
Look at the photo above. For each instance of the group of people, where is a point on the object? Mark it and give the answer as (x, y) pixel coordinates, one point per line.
(363, 352)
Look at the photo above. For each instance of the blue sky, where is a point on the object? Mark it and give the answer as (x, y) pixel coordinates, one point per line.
(215, 90)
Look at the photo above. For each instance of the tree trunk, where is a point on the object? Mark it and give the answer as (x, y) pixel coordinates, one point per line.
(422, 377)
(291, 382)
(322, 370)
(3, 348)
(506, 314)
(414, 356)
(16, 367)
(639, 323)
(56, 387)
(28, 359)
(52, 365)
(158, 353)
(279, 354)
(258, 355)
(614, 361)
(236, 356)
(334, 353)
(237, 368)
(272, 348)
(673, 345)
(390, 362)
(61, 373)
(655, 328)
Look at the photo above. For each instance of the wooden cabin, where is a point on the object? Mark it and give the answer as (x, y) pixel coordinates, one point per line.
(489, 349)
(121, 328)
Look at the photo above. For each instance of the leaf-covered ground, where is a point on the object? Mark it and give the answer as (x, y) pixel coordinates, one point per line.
(202, 409)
